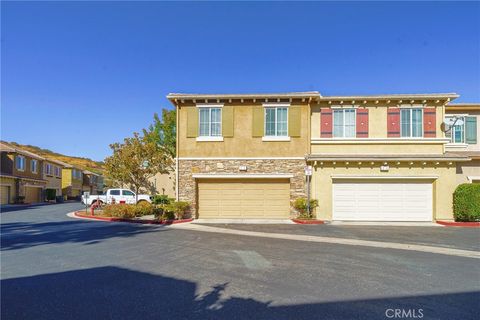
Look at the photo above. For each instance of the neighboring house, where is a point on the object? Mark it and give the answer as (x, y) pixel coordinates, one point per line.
(52, 173)
(465, 139)
(90, 182)
(374, 158)
(21, 175)
(164, 183)
(72, 181)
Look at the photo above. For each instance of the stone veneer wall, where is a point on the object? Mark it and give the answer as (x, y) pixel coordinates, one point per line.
(188, 189)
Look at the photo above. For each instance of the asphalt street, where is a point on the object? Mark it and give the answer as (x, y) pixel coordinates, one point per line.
(57, 267)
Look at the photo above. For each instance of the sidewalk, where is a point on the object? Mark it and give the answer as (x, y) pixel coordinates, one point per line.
(333, 240)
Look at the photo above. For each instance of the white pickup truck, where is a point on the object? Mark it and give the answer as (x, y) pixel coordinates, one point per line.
(116, 196)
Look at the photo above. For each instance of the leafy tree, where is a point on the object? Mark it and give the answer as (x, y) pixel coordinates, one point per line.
(136, 160)
(163, 131)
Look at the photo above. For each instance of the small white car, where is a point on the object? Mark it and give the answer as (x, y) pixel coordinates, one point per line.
(116, 196)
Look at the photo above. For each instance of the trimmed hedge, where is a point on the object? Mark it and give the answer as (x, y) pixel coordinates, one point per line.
(466, 202)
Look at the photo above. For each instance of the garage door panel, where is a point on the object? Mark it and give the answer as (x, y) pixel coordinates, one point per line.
(377, 201)
(244, 199)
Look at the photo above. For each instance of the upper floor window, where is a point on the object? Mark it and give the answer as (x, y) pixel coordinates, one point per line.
(57, 171)
(276, 122)
(34, 166)
(20, 163)
(344, 123)
(456, 134)
(77, 174)
(210, 122)
(411, 123)
(48, 168)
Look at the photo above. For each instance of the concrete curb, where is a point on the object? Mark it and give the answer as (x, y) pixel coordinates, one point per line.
(332, 240)
(459, 224)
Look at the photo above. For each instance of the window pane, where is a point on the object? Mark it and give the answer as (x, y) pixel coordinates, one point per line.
(282, 122)
(216, 118)
(204, 121)
(349, 123)
(269, 121)
(459, 132)
(417, 122)
(338, 123)
(405, 122)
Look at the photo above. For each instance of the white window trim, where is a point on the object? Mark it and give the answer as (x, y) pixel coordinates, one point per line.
(209, 137)
(276, 138)
(36, 165)
(471, 178)
(343, 127)
(23, 162)
(453, 143)
(274, 106)
(411, 124)
(412, 106)
(351, 106)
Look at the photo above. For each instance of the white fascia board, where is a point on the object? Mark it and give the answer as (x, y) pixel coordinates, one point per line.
(241, 176)
(345, 176)
(379, 140)
(241, 158)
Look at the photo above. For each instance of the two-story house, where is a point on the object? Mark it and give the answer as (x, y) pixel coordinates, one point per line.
(21, 176)
(464, 136)
(90, 182)
(72, 182)
(52, 173)
(373, 158)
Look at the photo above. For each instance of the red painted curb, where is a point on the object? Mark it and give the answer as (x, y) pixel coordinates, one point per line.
(459, 224)
(300, 221)
(165, 222)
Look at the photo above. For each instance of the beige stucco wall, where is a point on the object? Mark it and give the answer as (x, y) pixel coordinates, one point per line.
(380, 147)
(53, 182)
(443, 186)
(377, 119)
(242, 144)
(466, 169)
(164, 183)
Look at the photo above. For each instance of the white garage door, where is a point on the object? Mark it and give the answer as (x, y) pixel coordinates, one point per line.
(384, 201)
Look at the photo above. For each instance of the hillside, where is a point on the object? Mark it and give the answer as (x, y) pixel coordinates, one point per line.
(82, 163)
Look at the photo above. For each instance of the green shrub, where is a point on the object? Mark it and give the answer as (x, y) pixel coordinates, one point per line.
(300, 204)
(125, 211)
(143, 208)
(161, 199)
(466, 202)
(178, 208)
(50, 194)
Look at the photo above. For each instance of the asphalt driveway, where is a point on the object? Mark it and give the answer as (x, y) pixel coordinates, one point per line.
(55, 267)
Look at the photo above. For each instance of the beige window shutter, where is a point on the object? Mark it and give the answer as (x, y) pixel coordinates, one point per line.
(294, 121)
(257, 121)
(227, 121)
(192, 122)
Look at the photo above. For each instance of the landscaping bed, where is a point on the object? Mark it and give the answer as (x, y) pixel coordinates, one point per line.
(142, 220)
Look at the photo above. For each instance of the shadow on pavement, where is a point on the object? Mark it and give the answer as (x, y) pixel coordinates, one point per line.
(20, 235)
(117, 293)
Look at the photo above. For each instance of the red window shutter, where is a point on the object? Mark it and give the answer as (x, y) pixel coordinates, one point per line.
(325, 122)
(393, 122)
(362, 123)
(429, 122)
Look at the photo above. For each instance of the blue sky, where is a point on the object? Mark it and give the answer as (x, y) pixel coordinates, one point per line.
(77, 76)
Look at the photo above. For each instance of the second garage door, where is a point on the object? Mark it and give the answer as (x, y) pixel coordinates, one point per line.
(244, 199)
(382, 201)
(4, 194)
(32, 194)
